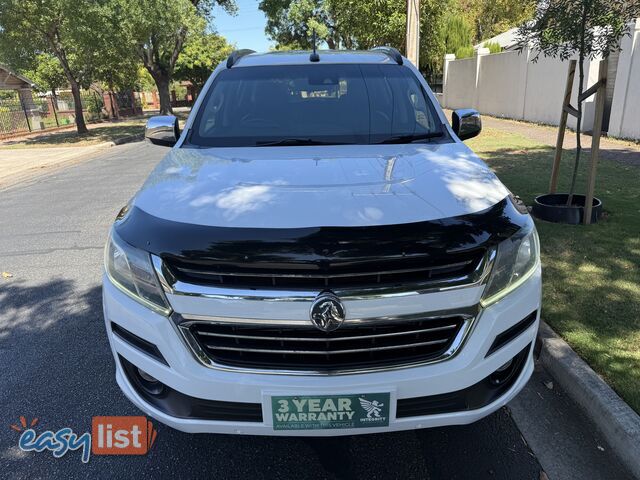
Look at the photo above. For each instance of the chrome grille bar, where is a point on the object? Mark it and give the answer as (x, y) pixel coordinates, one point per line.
(360, 345)
(330, 352)
(240, 336)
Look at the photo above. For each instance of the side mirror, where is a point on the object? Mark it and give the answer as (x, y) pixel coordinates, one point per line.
(162, 130)
(466, 123)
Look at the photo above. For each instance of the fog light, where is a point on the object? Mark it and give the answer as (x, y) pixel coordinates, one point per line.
(503, 373)
(147, 377)
(505, 366)
(148, 382)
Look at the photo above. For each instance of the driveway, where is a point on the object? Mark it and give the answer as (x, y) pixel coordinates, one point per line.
(57, 366)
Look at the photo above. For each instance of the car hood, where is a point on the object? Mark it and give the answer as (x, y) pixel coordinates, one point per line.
(318, 186)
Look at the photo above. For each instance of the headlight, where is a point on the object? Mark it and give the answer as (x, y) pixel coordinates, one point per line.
(130, 270)
(516, 260)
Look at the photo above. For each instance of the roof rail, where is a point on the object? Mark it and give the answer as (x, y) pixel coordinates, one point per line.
(390, 52)
(237, 55)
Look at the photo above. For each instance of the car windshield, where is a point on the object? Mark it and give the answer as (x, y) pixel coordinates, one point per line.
(314, 105)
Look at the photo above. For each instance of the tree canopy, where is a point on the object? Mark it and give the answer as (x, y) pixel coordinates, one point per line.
(445, 26)
(491, 17)
(71, 31)
(354, 24)
(202, 52)
(290, 23)
(157, 30)
(46, 73)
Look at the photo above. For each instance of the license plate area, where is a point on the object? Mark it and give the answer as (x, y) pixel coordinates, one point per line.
(329, 412)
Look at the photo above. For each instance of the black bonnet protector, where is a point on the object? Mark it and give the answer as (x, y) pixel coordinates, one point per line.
(321, 249)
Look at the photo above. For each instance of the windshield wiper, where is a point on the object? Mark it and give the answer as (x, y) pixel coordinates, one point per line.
(412, 138)
(294, 142)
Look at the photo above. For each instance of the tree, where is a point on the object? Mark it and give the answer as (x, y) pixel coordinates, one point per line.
(117, 65)
(491, 17)
(377, 23)
(290, 23)
(590, 28)
(201, 54)
(157, 29)
(355, 24)
(457, 33)
(47, 73)
(68, 30)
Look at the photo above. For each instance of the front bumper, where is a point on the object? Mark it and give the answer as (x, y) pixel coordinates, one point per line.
(184, 374)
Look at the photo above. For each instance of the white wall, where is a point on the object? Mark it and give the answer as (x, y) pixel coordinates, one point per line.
(546, 80)
(461, 81)
(513, 85)
(502, 83)
(625, 108)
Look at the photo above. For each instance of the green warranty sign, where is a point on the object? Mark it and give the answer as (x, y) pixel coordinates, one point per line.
(330, 411)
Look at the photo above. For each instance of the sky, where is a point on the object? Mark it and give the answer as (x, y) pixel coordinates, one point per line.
(246, 29)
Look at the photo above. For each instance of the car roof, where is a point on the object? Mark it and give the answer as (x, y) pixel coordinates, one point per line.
(301, 57)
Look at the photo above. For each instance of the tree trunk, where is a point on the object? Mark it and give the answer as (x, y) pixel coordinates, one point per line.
(61, 55)
(77, 106)
(579, 119)
(162, 82)
(114, 111)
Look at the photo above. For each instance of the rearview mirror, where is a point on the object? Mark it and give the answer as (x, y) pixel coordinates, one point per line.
(466, 123)
(162, 130)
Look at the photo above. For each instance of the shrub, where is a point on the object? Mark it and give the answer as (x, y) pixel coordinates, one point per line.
(465, 52)
(494, 47)
(457, 33)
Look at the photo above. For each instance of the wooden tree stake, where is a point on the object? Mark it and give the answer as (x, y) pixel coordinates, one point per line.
(555, 171)
(595, 139)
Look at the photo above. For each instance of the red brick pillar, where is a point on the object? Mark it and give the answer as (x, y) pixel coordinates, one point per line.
(111, 105)
(106, 99)
(136, 109)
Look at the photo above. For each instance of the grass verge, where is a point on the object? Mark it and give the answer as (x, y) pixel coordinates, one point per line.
(591, 275)
(98, 133)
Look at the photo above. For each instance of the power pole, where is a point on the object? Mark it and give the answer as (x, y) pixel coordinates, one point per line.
(413, 31)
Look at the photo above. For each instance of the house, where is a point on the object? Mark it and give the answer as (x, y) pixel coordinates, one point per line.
(10, 80)
(507, 40)
(26, 115)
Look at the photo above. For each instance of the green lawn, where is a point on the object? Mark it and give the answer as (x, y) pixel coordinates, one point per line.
(98, 133)
(591, 292)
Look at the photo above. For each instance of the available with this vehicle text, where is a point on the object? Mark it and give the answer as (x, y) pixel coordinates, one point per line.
(320, 254)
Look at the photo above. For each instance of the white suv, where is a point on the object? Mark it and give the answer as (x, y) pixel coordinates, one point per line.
(320, 254)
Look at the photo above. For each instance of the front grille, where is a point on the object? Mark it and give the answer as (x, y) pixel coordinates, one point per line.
(407, 271)
(351, 347)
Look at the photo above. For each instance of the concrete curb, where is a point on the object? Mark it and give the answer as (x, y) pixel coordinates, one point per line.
(120, 141)
(618, 423)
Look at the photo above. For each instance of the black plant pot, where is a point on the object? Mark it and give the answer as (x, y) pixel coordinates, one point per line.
(553, 207)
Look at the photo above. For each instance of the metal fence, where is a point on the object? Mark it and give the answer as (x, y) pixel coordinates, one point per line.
(20, 116)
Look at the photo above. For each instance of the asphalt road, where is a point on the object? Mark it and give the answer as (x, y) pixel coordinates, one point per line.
(56, 365)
